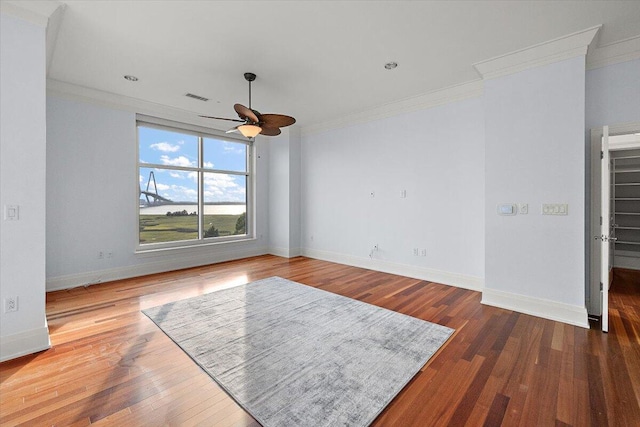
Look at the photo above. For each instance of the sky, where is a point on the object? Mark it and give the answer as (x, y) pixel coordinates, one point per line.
(163, 147)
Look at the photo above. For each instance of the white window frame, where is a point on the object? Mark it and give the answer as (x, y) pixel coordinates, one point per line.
(201, 133)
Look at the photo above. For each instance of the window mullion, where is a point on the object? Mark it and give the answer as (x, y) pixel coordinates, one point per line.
(200, 188)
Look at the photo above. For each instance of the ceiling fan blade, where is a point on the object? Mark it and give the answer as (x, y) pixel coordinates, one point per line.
(276, 120)
(234, 129)
(245, 113)
(222, 118)
(270, 131)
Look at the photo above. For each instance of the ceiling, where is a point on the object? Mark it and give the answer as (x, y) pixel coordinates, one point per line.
(315, 60)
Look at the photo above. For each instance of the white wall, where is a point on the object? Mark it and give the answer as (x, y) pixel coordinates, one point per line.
(22, 183)
(295, 228)
(284, 193)
(92, 196)
(279, 193)
(613, 94)
(535, 154)
(437, 156)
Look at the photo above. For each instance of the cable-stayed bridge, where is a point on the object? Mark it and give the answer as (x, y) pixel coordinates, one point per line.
(153, 194)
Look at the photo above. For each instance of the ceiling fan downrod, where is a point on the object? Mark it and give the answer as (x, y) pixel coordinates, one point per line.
(249, 77)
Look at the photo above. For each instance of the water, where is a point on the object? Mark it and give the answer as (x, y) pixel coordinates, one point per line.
(208, 209)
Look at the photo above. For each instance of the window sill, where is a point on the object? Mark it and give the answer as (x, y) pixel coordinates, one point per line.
(194, 247)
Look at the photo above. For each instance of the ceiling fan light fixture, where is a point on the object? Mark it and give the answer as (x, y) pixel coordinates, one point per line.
(249, 130)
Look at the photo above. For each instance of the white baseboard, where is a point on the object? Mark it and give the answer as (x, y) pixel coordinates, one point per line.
(631, 262)
(285, 252)
(473, 283)
(23, 343)
(560, 312)
(163, 262)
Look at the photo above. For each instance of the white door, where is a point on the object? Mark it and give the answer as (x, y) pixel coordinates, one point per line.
(605, 263)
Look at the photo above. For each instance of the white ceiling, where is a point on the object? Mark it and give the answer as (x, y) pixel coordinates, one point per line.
(315, 60)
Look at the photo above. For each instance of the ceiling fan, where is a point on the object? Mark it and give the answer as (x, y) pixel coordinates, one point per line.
(253, 122)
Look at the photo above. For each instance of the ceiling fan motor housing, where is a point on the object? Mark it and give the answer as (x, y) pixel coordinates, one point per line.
(249, 77)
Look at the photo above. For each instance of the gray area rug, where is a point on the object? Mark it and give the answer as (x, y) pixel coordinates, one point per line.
(293, 355)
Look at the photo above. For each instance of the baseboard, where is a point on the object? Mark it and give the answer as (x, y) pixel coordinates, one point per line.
(473, 283)
(165, 262)
(23, 343)
(630, 262)
(285, 252)
(560, 312)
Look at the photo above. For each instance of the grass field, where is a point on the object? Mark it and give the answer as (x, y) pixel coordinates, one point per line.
(162, 228)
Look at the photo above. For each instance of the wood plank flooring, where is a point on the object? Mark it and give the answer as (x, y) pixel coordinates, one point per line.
(110, 365)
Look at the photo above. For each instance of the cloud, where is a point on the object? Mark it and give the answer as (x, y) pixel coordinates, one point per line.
(165, 147)
(208, 165)
(179, 175)
(178, 193)
(224, 188)
(234, 147)
(176, 161)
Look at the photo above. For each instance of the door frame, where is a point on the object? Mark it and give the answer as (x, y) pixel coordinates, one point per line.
(593, 298)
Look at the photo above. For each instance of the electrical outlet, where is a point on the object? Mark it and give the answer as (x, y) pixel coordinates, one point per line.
(423, 252)
(372, 194)
(109, 254)
(100, 255)
(11, 212)
(10, 304)
(415, 251)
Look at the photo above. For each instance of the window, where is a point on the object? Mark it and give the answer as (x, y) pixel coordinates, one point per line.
(194, 185)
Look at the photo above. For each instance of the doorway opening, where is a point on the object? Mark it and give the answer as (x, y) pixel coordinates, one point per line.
(613, 289)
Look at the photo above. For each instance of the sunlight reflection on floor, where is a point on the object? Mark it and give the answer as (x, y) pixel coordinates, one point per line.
(207, 286)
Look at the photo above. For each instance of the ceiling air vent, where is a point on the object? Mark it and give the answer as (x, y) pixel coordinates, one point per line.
(199, 98)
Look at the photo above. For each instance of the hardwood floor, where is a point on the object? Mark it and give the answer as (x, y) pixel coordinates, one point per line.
(110, 365)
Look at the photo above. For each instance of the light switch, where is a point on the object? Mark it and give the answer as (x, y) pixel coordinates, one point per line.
(507, 209)
(11, 212)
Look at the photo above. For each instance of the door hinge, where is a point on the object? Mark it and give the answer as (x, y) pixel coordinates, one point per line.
(601, 155)
(600, 220)
(601, 287)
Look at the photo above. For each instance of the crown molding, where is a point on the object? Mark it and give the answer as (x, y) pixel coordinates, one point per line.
(551, 51)
(53, 29)
(35, 12)
(446, 95)
(121, 102)
(613, 53)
